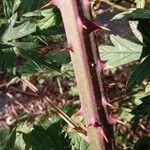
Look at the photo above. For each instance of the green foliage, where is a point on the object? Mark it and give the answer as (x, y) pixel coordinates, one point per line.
(45, 139)
(7, 139)
(140, 73)
(24, 28)
(142, 143)
(133, 14)
(77, 143)
(121, 53)
(21, 36)
(142, 110)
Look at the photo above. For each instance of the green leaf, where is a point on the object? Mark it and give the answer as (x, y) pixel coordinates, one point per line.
(133, 14)
(51, 18)
(4, 135)
(135, 31)
(140, 73)
(1, 60)
(123, 52)
(67, 70)
(30, 5)
(61, 57)
(142, 144)
(39, 59)
(29, 68)
(77, 143)
(140, 3)
(19, 31)
(10, 63)
(46, 139)
(54, 30)
(10, 7)
(26, 45)
(11, 140)
(33, 14)
(143, 110)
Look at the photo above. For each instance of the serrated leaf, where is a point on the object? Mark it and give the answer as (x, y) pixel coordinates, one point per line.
(140, 73)
(19, 31)
(7, 5)
(46, 139)
(33, 13)
(51, 18)
(77, 143)
(136, 32)
(39, 59)
(133, 14)
(10, 7)
(54, 30)
(30, 5)
(29, 68)
(122, 52)
(26, 45)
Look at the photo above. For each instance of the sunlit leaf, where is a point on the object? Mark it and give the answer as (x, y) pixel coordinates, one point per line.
(121, 53)
(51, 18)
(22, 30)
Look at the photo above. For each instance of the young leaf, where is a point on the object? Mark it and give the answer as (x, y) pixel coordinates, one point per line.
(19, 31)
(121, 53)
(140, 73)
(51, 18)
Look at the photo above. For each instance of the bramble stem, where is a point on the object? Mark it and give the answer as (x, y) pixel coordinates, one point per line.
(85, 62)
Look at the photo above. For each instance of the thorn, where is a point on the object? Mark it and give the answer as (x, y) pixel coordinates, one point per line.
(101, 65)
(80, 24)
(47, 5)
(106, 103)
(57, 3)
(93, 123)
(92, 26)
(105, 28)
(68, 48)
(102, 134)
(120, 122)
(114, 120)
(80, 112)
